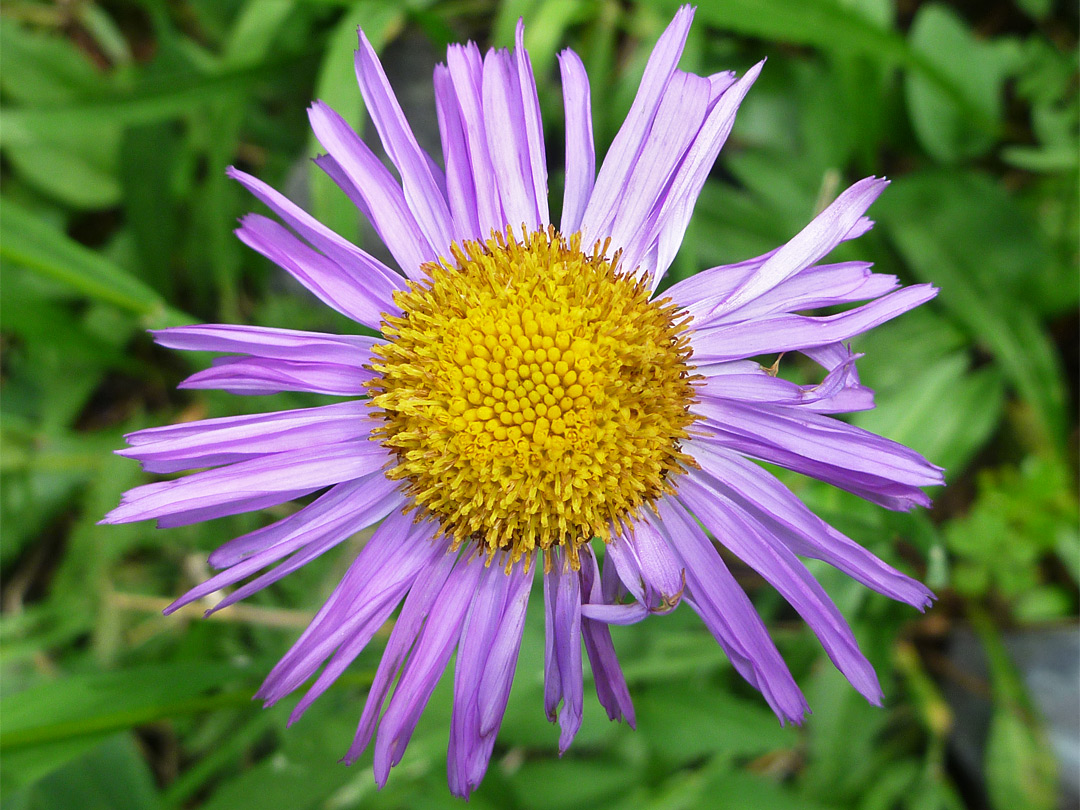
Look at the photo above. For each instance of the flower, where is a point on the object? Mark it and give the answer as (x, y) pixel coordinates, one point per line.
(531, 401)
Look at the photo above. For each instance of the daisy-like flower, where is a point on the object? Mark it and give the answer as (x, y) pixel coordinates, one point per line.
(531, 401)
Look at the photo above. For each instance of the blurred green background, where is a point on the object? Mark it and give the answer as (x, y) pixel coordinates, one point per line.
(118, 119)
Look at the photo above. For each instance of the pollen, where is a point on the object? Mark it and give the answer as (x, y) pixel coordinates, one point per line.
(532, 395)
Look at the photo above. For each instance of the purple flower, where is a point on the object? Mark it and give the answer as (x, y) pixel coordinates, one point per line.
(531, 401)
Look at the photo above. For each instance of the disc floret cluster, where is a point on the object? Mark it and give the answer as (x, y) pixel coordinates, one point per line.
(532, 394)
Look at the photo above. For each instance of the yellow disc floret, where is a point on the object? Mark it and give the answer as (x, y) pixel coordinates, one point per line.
(533, 395)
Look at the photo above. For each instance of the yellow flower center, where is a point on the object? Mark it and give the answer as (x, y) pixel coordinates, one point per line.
(533, 395)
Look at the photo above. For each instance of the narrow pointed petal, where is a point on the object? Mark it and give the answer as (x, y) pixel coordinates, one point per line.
(385, 201)
(258, 376)
(759, 549)
(611, 689)
(212, 442)
(422, 193)
(580, 148)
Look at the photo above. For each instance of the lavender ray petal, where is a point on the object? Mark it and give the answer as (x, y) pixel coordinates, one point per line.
(264, 341)
(388, 564)
(256, 376)
(781, 512)
(389, 211)
(508, 141)
(673, 217)
(611, 689)
(372, 276)
(817, 437)
(422, 193)
(212, 442)
(580, 148)
(460, 190)
(678, 120)
(425, 666)
(326, 280)
(534, 125)
(781, 333)
(759, 549)
(337, 514)
(414, 613)
(827, 230)
(279, 475)
(729, 615)
(466, 77)
(626, 147)
(567, 639)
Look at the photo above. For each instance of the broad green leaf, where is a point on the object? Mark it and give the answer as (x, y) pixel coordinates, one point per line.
(27, 241)
(112, 776)
(953, 231)
(978, 69)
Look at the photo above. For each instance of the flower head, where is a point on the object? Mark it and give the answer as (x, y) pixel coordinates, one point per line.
(529, 395)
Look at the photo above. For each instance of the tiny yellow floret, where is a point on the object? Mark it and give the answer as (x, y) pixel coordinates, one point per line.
(532, 394)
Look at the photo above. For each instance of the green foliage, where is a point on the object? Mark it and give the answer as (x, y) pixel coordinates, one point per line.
(118, 122)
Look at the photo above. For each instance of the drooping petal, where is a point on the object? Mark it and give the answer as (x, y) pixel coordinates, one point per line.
(332, 518)
(486, 661)
(398, 553)
(611, 689)
(562, 660)
(727, 612)
(425, 666)
(759, 549)
(777, 509)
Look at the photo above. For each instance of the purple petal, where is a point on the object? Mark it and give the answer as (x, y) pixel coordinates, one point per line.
(263, 341)
(626, 147)
(818, 438)
(422, 192)
(724, 607)
(466, 79)
(389, 212)
(781, 333)
(828, 229)
(333, 517)
(611, 688)
(212, 442)
(580, 151)
(460, 190)
(779, 511)
(508, 141)
(678, 119)
(678, 204)
(486, 661)
(425, 666)
(371, 276)
(385, 569)
(322, 277)
(256, 376)
(759, 549)
(565, 633)
(278, 476)
(534, 125)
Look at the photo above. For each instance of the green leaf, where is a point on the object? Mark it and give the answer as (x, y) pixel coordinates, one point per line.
(112, 776)
(28, 241)
(945, 129)
(960, 232)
